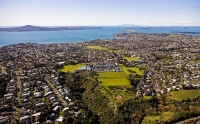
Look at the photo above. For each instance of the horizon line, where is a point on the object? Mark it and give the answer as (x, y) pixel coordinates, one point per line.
(120, 25)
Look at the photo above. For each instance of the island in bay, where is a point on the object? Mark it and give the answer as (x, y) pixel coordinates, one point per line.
(38, 28)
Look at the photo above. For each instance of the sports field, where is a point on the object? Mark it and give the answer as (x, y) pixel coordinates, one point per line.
(113, 79)
(71, 68)
(137, 70)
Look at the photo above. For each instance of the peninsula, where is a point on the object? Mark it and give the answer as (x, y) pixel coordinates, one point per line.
(38, 28)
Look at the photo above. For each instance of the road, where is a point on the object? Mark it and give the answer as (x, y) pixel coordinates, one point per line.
(19, 86)
(189, 119)
(60, 97)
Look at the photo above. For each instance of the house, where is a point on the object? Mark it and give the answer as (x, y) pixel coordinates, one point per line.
(37, 94)
(60, 119)
(9, 94)
(27, 93)
(52, 116)
(66, 98)
(24, 119)
(66, 108)
(69, 100)
(3, 119)
(37, 114)
(84, 68)
(51, 98)
(56, 108)
(56, 103)
(71, 103)
(63, 93)
(70, 113)
(49, 122)
(77, 113)
(39, 104)
(48, 93)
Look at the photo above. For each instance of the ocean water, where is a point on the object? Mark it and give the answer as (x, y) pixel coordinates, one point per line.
(67, 36)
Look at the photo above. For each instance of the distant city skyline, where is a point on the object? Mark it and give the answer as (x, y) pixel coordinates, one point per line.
(99, 12)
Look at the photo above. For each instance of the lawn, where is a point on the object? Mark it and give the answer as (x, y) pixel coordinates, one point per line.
(158, 118)
(113, 79)
(71, 68)
(137, 70)
(184, 94)
(131, 58)
(96, 47)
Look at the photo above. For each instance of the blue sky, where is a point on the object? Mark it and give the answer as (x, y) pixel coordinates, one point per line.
(99, 12)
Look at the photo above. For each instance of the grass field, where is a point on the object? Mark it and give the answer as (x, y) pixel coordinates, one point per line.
(184, 94)
(156, 119)
(137, 70)
(113, 79)
(131, 58)
(117, 79)
(71, 68)
(96, 47)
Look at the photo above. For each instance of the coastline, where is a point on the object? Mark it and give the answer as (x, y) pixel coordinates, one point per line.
(70, 36)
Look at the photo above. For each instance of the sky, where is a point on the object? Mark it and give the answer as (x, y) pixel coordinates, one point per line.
(99, 12)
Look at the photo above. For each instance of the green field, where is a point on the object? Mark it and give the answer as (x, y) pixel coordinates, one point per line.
(71, 68)
(184, 94)
(158, 118)
(131, 58)
(117, 79)
(113, 79)
(96, 47)
(137, 70)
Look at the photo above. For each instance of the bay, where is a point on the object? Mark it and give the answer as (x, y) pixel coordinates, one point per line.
(70, 36)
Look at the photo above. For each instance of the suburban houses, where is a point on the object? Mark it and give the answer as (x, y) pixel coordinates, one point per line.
(35, 95)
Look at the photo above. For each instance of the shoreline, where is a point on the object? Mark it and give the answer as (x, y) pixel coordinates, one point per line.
(115, 36)
(87, 35)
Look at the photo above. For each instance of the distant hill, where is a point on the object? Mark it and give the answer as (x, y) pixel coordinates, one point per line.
(37, 28)
(175, 26)
(130, 25)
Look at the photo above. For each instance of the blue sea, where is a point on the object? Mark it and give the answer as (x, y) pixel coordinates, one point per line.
(69, 36)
